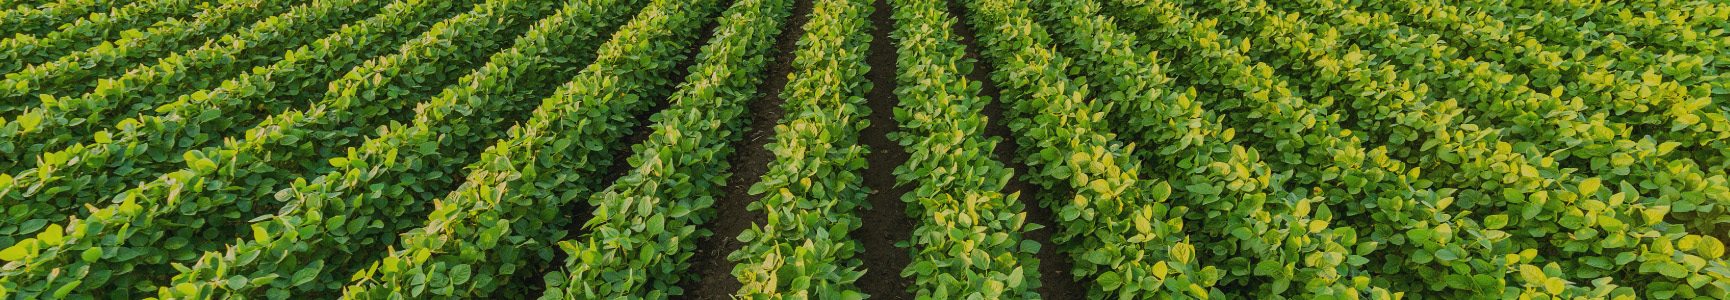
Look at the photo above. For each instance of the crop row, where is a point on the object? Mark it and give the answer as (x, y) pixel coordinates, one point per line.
(78, 73)
(1521, 171)
(1269, 223)
(1680, 26)
(24, 50)
(337, 213)
(968, 241)
(646, 223)
(1614, 223)
(207, 202)
(76, 119)
(1318, 152)
(48, 17)
(505, 220)
(814, 188)
(144, 147)
(1187, 149)
(1645, 98)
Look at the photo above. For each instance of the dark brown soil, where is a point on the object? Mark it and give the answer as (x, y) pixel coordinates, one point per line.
(750, 161)
(887, 222)
(1056, 283)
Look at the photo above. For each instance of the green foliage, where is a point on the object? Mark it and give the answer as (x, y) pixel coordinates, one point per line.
(67, 77)
(646, 224)
(968, 242)
(1606, 225)
(814, 186)
(328, 219)
(73, 119)
(141, 148)
(23, 50)
(209, 202)
(504, 220)
(1258, 149)
(48, 17)
(1257, 214)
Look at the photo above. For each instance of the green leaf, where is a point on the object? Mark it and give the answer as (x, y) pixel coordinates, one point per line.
(1555, 285)
(236, 282)
(1672, 270)
(55, 235)
(92, 254)
(276, 294)
(460, 274)
(747, 236)
(304, 276)
(1448, 255)
(69, 287)
(1572, 221)
(1203, 188)
(1710, 247)
(1098, 257)
(259, 234)
(1533, 275)
(1160, 192)
(1110, 281)
(1590, 187)
(186, 289)
(335, 224)
(657, 224)
(1030, 246)
(1495, 221)
(32, 226)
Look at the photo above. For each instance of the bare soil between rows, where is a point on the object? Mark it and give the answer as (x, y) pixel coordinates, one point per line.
(886, 222)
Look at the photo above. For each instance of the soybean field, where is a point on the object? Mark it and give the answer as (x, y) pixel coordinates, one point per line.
(854, 149)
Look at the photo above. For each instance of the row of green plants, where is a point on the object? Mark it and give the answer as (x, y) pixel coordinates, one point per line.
(645, 225)
(48, 17)
(78, 73)
(1565, 119)
(1646, 49)
(66, 120)
(969, 241)
(1564, 25)
(142, 148)
(1631, 114)
(1267, 225)
(1413, 122)
(1682, 26)
(18, 4)
(815, 186)
(184, 213)
(1576, 23)
(1472, 198)
(1372, 192)
(504, 221)
(18, 51)
(1638, 99)
(1660, 201)
(326, 234)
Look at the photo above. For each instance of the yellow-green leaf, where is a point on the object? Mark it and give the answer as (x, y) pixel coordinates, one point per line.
(1710, 247)
(55, 235)
(14, 253)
